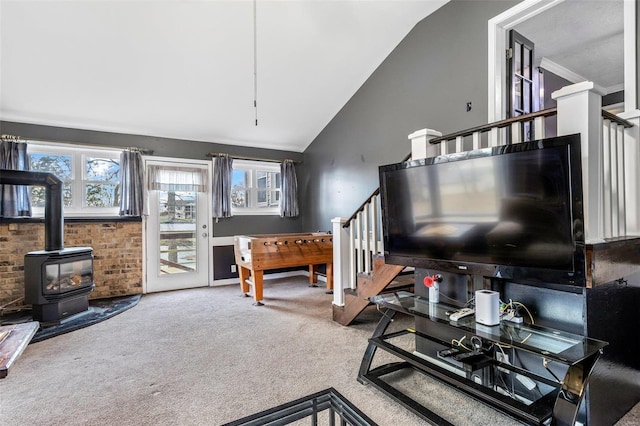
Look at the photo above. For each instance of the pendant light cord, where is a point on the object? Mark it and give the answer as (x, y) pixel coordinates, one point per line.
(255, 62)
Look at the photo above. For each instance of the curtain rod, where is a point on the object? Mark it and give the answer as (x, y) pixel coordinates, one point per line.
(20, 139)
(242, 157)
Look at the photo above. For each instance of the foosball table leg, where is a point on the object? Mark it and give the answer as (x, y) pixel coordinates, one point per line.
(244, 274)
(313, 276)
(329, 278)
(258, 284)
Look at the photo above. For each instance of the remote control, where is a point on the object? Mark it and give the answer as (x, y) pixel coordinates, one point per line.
(464, 312)
(448, 352)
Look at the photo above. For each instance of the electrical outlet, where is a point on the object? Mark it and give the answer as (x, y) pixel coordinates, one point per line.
(233, 268)
(512, 317)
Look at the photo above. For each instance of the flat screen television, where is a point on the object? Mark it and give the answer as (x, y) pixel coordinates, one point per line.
(512, 212)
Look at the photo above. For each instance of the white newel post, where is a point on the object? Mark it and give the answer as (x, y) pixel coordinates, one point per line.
(420, 146)
(580, 111)
(341, 263)
(632, 171)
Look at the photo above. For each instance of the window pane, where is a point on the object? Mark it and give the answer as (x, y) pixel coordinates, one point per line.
(262, 179)
(277, 180)
(239, 197)
(59, 165)
(102, 195)
(37, 195)
(262, 198)
(239, 179)
(527, 62)
(268, 198)
(518, 95)
(178, 231)
(526, 97)
(105, 169)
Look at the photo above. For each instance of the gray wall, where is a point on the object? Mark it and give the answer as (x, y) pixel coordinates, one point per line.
(425, 82)
(176, 148)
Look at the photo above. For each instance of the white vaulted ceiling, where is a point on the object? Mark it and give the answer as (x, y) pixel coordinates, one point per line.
(185, 69)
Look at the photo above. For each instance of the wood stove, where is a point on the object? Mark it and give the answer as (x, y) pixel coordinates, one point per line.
(58, 280)
(57, 283)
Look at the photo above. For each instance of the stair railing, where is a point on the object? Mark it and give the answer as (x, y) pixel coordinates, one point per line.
(610, 149)
(355, 241)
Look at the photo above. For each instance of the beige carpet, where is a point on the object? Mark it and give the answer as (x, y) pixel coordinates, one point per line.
(205, 357)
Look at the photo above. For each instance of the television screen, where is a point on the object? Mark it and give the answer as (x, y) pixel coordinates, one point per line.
(514, 210)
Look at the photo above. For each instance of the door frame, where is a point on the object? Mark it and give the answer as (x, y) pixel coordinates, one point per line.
(498, 28)
(145, 248)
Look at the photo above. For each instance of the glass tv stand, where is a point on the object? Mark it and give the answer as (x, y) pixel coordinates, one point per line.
(545, 389)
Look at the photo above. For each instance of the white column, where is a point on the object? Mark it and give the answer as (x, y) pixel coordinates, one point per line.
(420, 146)
(341, 264)
(580, 111)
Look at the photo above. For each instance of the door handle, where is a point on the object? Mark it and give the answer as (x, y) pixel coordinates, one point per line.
(204, 234)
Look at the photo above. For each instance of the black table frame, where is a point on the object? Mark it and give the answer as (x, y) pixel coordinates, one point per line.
(560, 406)
(309, 406)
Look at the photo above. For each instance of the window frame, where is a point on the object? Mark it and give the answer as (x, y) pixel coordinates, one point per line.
(254, 209)
(79, 179)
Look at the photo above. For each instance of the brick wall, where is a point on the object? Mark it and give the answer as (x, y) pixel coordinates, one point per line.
(117, 250)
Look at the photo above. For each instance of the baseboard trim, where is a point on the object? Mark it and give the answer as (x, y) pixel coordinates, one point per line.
(229, 281)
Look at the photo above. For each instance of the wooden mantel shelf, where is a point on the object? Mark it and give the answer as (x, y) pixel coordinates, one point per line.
(612, 260)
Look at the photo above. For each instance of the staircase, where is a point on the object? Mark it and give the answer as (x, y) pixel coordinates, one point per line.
(384, 278)
(610, 153)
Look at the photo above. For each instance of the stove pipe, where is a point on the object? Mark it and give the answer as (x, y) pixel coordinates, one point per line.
(53, 218)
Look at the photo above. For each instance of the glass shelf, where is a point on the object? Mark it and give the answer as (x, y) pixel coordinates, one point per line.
(553, 344)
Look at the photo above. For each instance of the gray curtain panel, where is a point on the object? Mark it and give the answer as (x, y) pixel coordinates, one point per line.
(289, 198)
(132, 184)
(14, 199)
(222, 174)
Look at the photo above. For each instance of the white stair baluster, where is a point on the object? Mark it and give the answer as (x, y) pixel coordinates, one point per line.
(622, 202)
(476, 140)
(607, 196)
(366, 248)
(615, 218)
(375, 220)
(516, 133)
(352, 255)
(539, 127)
(459, 144)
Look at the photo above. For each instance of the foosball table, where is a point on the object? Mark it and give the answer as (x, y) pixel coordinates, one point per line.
(257, 253)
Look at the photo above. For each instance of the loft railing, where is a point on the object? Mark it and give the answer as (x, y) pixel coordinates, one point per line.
(614, 191)
(611, 207)
(503, 132)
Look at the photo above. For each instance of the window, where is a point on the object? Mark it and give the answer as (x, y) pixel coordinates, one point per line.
(90, 178)
(255, 188)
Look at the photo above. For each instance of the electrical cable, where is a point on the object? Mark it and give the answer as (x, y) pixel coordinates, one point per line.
(451, 298)
(455, 342)
(526, 309)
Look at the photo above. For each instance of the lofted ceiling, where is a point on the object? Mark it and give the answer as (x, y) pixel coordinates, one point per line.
(581, 40)
(185, 69)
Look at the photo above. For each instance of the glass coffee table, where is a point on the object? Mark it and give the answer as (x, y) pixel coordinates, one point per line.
(324, 407)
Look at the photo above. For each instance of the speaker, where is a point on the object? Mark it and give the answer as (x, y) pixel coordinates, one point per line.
(487, 307)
